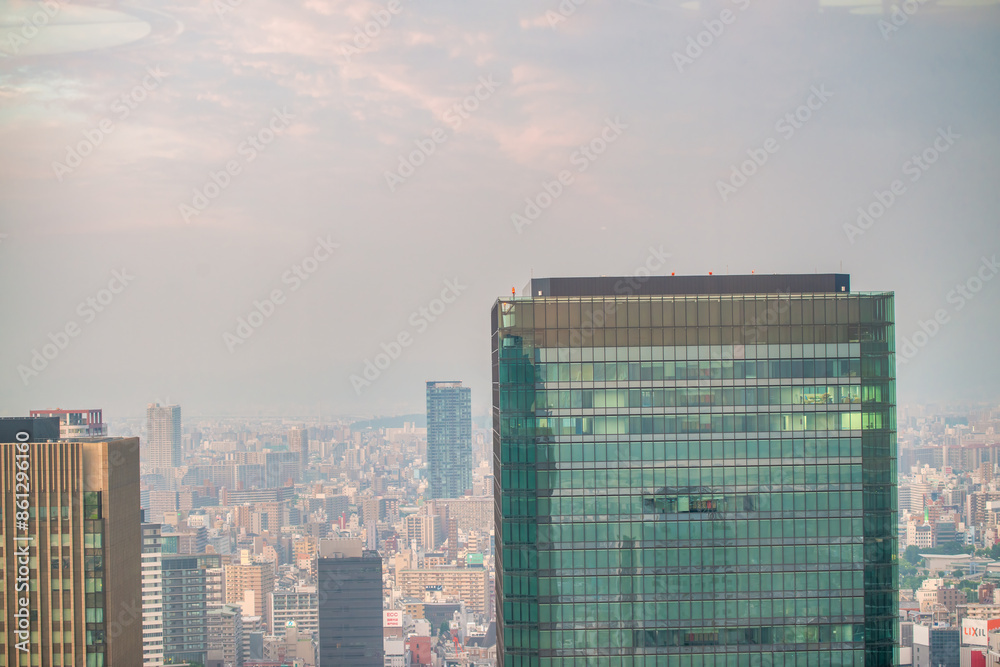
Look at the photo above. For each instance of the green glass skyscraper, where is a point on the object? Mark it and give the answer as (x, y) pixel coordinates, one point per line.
(695, 471)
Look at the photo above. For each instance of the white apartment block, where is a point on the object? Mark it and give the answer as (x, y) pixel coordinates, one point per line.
(152, 597)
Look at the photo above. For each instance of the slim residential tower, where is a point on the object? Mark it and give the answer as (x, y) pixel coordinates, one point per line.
(298, 441)
(449, 439)
(163, 436)
(695, 471)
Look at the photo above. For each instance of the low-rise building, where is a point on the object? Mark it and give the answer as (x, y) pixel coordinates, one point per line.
(299, 605)
(470, 585)
(936, 646)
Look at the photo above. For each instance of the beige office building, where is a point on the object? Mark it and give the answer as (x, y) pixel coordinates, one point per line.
(82, 553)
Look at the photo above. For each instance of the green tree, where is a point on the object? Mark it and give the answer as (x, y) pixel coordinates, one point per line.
(958, 574)
(912, 554)
(445, 629)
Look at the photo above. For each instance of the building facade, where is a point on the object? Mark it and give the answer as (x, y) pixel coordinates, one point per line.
(163, 436)
(225, 635)
(299, 606)
(72, 553)
(695, 470)
(449, 439)
(470, 585)
(422, 531)
(185, 620)
(350, 605)
(472, 513)
(250, 585)
(152, 596)
(936, 646)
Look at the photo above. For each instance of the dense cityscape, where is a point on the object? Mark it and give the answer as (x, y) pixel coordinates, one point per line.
(528, 333)
(675, 477)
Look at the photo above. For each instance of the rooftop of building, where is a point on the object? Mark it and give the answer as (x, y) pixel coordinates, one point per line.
(648, 285)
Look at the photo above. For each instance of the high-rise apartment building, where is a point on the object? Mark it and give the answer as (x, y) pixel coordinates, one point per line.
(185, 623)
(695, 471)
(72, 553)
(422, 531)
(215, 591)
(250, 585)
(152, 596)
(350, 604)
(449, 439)
(298, 441)
(304, 555)
(163, 436)
(225, 635)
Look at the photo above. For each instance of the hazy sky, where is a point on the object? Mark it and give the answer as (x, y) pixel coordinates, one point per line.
(111, 119)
